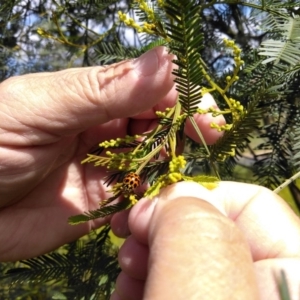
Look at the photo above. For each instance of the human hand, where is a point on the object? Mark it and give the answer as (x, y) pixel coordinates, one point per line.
(192, 243)
(48, 122)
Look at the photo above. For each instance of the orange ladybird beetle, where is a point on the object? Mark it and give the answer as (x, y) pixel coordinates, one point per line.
(131, 181)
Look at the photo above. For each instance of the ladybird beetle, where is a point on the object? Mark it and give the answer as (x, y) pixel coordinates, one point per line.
(131, 181)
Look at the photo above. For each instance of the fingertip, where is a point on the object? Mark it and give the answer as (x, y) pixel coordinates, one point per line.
(133, 258)
(115, 296)
(129, 288)
(139, 219)
(119, 224)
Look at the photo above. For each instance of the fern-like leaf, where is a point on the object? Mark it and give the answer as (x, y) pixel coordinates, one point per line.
(274, 168)
(287, 48)
(85, 269)
(35, 270)
(185, 29)
(113, 52)
(99, 213)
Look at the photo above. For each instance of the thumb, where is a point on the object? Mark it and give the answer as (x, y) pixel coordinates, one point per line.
(195, 251)
(72, 100)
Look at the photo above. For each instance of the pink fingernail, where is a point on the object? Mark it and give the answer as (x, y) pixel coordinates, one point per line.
(147, 64)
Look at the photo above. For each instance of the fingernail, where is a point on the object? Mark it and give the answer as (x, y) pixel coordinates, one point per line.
(147, 64)
(189, 189)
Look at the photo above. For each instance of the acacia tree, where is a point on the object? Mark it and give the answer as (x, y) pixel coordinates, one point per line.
(244, 53)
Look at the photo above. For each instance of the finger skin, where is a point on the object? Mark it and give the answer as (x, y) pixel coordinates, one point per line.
(271, 227)
(268, 273)
(70, 101)
(203, 246)
(119, 223)
(134, 252)
(129, 288)
(184, 229)
(115, 296)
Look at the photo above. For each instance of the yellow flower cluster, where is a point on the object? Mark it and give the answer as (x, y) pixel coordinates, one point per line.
(160, 3)
(147, 27)
(181, 118)
(177, 163)
(236, 105)
(119, 161)
(118, 141)
(174, 175)
(43, 33)
(148, 10)
(162, 114)
(133, 199)
(236, 51)
(220, 128)
(236, 109)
